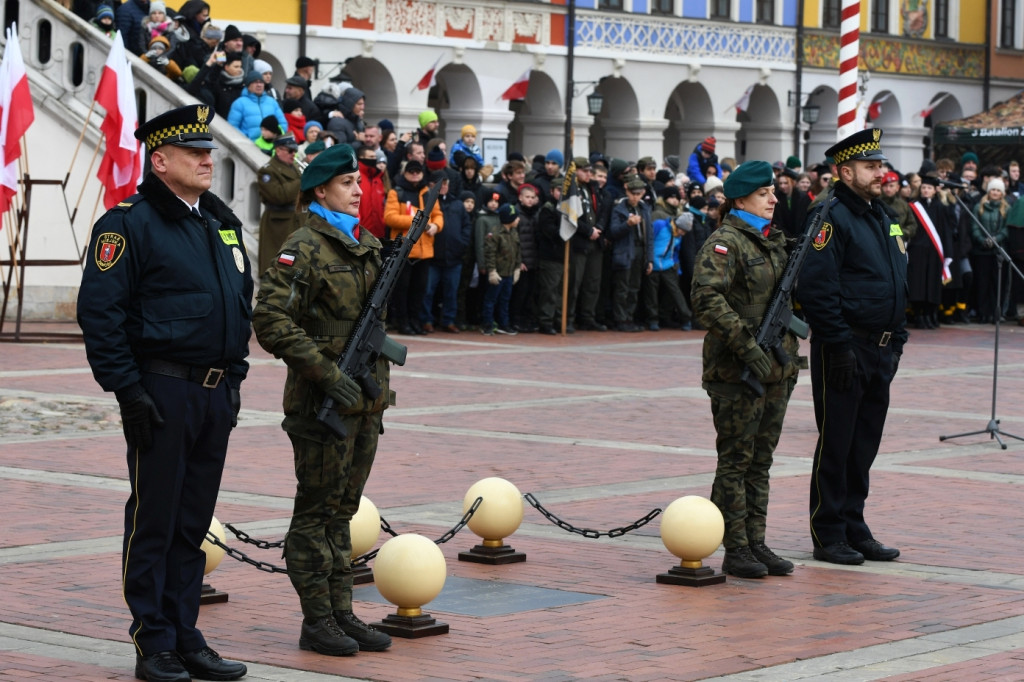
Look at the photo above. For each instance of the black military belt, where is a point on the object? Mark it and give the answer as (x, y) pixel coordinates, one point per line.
(880, 338)
(207, 377)
(280, 207)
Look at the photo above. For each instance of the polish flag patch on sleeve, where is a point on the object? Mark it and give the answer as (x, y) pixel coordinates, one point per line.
(286, 259)
(719, 248)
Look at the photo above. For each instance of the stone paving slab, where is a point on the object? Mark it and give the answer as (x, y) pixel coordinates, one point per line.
(601, 428)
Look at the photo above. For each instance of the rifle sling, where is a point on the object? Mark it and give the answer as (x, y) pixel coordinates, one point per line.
(329, 327)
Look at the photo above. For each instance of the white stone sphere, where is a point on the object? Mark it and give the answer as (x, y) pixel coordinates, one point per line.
(501, 512)
(692, 528)
(409, 571)
(214, 554)
(364, 528)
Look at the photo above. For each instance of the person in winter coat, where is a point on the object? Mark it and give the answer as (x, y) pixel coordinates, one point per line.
(375, 185)
(349, 126)
(503, 262)
(632, 253)
(924, 262)
(156, 23)
(402, 203)
(220, 84)
(737, 271)
(104, 21)
(703, 155)
(523, 305)
(188, 46)
(669, 222)
(991, 212)
(130, 16)
(467, 144)
(445, 268)
(252, 106)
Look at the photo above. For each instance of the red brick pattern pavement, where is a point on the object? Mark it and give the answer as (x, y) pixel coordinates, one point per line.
(601, 428)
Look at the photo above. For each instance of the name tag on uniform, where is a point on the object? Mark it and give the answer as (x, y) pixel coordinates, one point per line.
(894, 230)
(228, 237)
(756, 261)
(339, 268)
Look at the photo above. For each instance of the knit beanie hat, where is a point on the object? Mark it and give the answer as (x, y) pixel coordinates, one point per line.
(157, 6)
(253, 77)
(104, 12)
(231, 32)
(270, 123)
(556, 156)
(427, 117)
(261, 67)
(436, 160)
(996, 183)
(708, 145)
(793, 162)
(468, 130)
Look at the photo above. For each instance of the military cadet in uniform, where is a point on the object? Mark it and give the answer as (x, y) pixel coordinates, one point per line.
(279, 188)
(856, 310)
(164, 310)
(735, 273)
(308, 303)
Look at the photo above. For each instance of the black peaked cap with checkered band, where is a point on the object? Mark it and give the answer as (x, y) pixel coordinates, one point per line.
(863, 145)
(187, 126)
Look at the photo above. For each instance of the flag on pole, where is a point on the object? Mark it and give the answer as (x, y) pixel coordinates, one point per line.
(17, 115)
(875, 110)
(570, 206)
(518, 89)
(927, 111)
(743, 103)
(429, 79)
(121, 166)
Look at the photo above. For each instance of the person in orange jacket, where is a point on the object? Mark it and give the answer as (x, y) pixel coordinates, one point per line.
(402, 203)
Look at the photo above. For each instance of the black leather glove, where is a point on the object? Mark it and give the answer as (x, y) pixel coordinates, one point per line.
(345, 391)
(842, 366)
(236, 405)
(758, 362)
(139, 417)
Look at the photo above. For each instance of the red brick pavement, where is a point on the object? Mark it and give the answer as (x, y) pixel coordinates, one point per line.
(574, 421)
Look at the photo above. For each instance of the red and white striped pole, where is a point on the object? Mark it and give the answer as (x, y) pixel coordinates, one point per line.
(849, 52)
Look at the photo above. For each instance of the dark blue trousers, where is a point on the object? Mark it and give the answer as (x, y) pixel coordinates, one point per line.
(174, 490)
(850, 427)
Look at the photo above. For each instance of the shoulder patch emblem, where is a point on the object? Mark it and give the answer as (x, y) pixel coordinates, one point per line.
(109, 247)
(900, 244)
(265, 177)
(722, 249)
(823, 236)
(286, 258)
(239, 261)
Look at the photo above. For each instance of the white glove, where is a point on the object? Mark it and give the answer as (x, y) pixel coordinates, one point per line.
(494, 278)
(515, 277)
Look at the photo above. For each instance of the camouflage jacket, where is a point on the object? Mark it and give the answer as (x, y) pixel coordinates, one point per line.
(735, 273)
(501, 251)
(308, 303)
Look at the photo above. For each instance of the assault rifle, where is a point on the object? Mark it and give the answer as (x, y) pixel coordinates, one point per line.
(778, 318)
(369, 339)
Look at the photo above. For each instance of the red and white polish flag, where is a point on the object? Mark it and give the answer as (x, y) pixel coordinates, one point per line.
(17, 115)
(121, 166)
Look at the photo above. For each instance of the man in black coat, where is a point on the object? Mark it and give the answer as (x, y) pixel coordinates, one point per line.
(791, 211)
(165, 312)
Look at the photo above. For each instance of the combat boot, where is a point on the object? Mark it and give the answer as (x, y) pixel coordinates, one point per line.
(741, 563)
(368, 638)
(325, 637)
(776, 564)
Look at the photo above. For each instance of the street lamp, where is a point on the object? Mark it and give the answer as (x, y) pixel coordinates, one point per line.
(810, 113)
(595, 101)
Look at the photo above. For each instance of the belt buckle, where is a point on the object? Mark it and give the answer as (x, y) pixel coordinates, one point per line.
(213, 377)
(884, 340)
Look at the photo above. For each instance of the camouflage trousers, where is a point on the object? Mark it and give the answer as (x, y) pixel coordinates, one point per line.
(748, 429)
(331, 474)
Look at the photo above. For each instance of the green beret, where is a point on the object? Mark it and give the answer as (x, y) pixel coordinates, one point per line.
(748, 177)
(314, 147)
(335, 160)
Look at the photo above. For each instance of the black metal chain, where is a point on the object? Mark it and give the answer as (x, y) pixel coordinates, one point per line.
(359, 561)
(590, 532)
(245, 537)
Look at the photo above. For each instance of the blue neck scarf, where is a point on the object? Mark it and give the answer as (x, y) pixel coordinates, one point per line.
(751, 219)
(342, 221)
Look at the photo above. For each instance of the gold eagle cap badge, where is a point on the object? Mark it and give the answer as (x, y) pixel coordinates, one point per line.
(877, 133)
(202, 113)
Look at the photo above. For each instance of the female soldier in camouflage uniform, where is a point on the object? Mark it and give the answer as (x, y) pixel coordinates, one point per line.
(735, 273)
(308, 303)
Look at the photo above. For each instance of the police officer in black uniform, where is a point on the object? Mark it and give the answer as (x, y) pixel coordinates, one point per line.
(165, 310)
(856, 309)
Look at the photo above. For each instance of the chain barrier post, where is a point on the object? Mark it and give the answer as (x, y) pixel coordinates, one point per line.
(499, 512)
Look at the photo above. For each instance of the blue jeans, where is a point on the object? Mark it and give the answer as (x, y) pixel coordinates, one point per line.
(496, 304)
(448, 277)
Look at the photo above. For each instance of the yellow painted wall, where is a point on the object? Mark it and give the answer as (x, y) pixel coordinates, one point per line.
(972, 21)
(271, 11)
(972, 18)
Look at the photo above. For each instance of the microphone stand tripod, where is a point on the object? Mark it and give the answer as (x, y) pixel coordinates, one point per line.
(992, 428)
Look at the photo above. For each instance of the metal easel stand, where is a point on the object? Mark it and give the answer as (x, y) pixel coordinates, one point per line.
(21, 262)
(992, 428)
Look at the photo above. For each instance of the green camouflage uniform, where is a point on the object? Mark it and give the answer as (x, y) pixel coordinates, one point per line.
(308, 303)
(731, 291)
(279, 188)
(905, 215)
